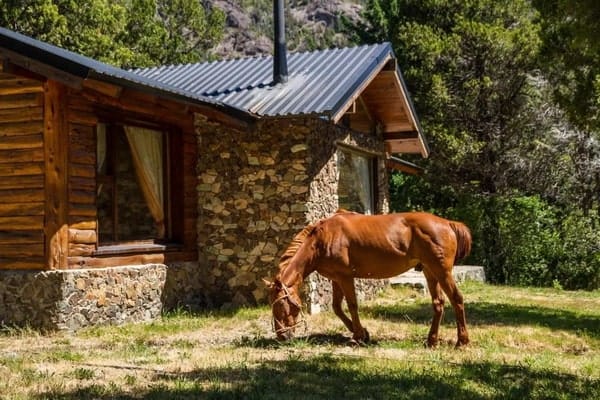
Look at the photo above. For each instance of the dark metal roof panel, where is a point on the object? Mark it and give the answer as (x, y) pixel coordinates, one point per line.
(319, 82)
(85, 67)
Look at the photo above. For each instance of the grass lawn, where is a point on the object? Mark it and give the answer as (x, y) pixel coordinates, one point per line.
(526, 344)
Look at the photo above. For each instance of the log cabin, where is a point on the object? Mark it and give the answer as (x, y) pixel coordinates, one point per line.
(125, 193)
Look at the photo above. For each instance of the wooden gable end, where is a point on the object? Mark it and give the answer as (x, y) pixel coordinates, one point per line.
(383, 106)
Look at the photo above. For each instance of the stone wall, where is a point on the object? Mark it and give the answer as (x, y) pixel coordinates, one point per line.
(185, 288)
(72, 299)
(323, 201)
(257, 190)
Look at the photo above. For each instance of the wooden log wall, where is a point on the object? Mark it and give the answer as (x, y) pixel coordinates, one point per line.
(49, 220)
(21, 173)
(82, 178)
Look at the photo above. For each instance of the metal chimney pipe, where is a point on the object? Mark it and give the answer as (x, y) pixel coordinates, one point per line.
(280, 69)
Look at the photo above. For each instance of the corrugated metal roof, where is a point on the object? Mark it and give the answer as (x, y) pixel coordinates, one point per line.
(85, 67)
(319, 82)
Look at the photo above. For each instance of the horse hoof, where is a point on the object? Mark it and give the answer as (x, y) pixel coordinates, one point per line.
(461, 343)
(357, 342)
(367, 338)
(431, 342)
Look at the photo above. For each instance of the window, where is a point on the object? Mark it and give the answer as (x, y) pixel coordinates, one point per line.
(357, 183)
(133, 184)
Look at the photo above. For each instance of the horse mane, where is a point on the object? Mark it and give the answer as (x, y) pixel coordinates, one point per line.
(294, 246)
(299, 239)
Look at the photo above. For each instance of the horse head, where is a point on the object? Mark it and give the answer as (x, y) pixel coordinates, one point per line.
(287, 308)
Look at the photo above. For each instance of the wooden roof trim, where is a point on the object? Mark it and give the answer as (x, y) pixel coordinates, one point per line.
(153, 106)
(336, 117)
(105, 88)
(40, 68)
(410, 112)
(398, 164)
(403, 96)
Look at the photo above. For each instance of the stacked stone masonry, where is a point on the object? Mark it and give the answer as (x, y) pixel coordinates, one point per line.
(257, 189)
(72, 299)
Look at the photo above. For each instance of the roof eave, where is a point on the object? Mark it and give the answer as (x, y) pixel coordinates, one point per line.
(177, 95)
(73, 68)
(380, 60)
(398, 164)
(426, 151)
(386, 54)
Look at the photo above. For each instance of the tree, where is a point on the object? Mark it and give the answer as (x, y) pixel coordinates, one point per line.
(571, 55)
(171, 31)
(125, 33)
(36, 18)
(468, 66)
(497, 136)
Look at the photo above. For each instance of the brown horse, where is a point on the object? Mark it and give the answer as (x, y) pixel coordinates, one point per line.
(348, 245)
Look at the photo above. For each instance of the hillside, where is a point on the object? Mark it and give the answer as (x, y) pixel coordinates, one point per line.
(309, 25)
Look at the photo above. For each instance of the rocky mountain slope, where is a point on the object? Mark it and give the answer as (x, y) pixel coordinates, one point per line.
(310, 24)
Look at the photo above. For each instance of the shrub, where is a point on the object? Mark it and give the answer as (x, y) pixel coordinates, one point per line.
(578, 264)
(530, 239)
(520, 240)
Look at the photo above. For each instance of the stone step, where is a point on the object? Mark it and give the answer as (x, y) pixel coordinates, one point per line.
(461, 273)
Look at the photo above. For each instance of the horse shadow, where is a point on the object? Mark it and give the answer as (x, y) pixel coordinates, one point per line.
(315, 339)
(332, 377)
(485, 313)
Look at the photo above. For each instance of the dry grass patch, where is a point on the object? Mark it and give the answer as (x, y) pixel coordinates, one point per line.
(527, 343)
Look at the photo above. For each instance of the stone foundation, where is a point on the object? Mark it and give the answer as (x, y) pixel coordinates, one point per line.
(73, 299)
(185, 288)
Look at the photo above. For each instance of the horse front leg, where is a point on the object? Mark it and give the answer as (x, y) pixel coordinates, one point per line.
(336, 304)
(359, 334)
(437, 302)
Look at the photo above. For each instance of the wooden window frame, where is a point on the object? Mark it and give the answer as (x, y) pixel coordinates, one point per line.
(174, 189)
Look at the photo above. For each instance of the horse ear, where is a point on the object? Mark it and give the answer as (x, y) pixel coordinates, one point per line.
(267, 283)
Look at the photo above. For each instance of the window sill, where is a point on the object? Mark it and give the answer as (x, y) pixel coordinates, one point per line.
(137, 248)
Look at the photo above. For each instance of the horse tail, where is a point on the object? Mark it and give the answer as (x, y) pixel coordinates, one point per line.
(463, 240)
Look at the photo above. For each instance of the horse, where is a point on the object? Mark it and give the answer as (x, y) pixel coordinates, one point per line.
(350, 245)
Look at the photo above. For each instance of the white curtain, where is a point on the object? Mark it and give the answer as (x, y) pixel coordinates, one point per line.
(100, 146)
(147, 152)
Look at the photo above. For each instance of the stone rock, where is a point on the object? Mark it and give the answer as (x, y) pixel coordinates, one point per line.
(298, 147)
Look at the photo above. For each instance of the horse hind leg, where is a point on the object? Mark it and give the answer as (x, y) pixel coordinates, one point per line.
(437, 301)
(449, 286)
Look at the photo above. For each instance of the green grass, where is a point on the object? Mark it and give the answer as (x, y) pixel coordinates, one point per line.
(526, 343)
